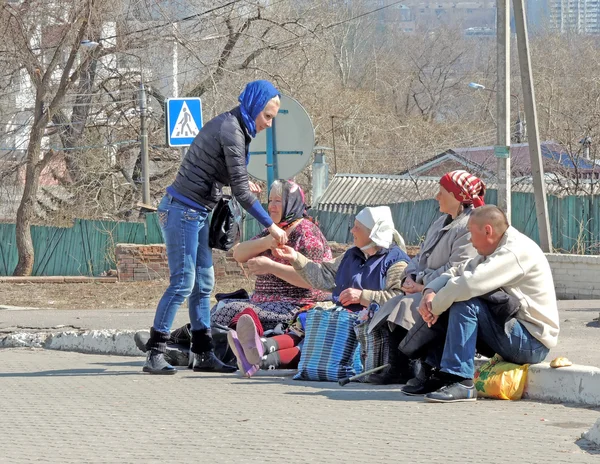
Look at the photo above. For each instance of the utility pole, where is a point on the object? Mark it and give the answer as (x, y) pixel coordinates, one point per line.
(333, 140)
(175, 90)
(144, 148)
(502, 148)
(537, 168)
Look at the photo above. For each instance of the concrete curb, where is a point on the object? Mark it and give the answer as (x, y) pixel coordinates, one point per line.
(113, 342)
(574, 384)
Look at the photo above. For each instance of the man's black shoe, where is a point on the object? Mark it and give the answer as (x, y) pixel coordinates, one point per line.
(423, 387)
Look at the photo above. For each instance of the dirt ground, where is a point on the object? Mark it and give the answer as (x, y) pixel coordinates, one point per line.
(120, 295)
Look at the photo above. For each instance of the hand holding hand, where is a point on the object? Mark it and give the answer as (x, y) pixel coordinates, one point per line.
(278, 234)
(285, 252)
(350, 296)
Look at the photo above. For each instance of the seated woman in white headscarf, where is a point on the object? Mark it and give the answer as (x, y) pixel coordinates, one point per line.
(369, 271)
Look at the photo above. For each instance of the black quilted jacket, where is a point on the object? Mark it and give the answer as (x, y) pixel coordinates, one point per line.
(217, 158)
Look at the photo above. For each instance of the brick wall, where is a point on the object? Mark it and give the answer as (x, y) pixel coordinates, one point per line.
(575, 276)
(141, 262)
(225, 265)
(149, 262)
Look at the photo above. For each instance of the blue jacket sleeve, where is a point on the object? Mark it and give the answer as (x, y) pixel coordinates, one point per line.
(258, 212)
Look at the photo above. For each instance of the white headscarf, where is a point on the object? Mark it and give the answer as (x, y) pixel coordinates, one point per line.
(378, 219)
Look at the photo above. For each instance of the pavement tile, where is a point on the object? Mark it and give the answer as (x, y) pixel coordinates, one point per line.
(63, 407)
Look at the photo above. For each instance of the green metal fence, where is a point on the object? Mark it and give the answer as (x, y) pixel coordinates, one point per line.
(87, 248)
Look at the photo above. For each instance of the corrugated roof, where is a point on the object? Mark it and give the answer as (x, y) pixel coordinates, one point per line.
(348, 190)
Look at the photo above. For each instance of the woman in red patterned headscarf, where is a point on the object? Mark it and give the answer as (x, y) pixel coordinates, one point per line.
(465, 187)
(447, 244)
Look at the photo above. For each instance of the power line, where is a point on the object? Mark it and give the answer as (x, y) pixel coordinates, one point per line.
(170, 23)
(123, 142)
(364, 14)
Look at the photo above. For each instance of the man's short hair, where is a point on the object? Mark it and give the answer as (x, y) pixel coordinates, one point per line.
(492, 215)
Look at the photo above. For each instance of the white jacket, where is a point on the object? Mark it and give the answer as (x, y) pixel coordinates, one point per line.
(521, 269)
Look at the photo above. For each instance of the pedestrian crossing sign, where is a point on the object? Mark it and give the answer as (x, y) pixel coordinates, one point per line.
(183, 120)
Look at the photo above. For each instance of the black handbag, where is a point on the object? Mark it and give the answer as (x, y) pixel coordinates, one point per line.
(225, 224)
(502, 305)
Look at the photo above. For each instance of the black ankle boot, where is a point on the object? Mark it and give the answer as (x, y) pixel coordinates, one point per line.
(204, 355)
(208, 362)
(155, 360)
(399, 370)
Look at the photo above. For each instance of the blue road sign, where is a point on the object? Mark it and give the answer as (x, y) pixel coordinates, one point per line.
(183, 119)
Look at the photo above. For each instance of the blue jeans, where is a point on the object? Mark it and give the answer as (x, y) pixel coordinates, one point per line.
(470, 320)
(185, 231)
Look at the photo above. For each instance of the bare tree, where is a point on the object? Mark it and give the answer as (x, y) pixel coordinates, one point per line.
(52, 67)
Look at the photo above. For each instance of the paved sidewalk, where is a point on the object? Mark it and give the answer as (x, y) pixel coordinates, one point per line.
(111, 332)
(63, 407)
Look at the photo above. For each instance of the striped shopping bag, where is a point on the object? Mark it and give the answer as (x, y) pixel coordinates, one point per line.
(329, 347)
(373, 346)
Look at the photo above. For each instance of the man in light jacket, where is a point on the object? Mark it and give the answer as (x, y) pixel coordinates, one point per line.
(507, 260)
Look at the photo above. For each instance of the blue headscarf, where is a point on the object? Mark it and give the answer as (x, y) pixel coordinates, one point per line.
(253, 100)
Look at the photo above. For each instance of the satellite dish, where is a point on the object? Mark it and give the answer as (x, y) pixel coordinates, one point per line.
(285, 149)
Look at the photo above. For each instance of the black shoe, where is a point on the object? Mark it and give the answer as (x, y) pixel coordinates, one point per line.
(418, 388)
(390, 376)
(422, 371)
(452, 393)
(208, 362)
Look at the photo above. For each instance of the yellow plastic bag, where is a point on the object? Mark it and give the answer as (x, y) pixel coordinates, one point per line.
(500, 379)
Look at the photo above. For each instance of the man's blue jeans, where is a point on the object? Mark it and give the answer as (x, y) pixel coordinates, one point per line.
(185, 231)
(468, 320)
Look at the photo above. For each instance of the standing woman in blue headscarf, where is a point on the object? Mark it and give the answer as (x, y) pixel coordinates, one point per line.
(217, 157)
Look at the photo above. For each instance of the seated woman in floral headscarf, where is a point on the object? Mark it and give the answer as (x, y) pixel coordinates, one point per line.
(369, 271)
(279, 291)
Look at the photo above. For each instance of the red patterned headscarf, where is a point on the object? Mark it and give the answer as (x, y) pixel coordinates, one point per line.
(465, 187)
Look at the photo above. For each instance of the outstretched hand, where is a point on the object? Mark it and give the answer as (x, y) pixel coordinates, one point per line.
(285, 252)
(254, 187)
